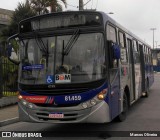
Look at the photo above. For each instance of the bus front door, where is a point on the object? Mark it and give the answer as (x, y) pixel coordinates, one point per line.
(131, 70)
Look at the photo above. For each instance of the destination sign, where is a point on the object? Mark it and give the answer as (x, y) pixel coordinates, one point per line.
(60, 21)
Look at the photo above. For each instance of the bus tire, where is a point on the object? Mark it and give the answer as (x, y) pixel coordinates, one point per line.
(123, 114)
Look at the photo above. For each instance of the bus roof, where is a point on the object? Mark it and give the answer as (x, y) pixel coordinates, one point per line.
(105, 16)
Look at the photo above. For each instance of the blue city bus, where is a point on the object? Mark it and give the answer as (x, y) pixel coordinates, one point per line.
(79, 67)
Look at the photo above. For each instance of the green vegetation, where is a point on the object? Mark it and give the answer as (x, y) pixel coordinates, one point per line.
(24, 10)
(28, 9)
(43, 6)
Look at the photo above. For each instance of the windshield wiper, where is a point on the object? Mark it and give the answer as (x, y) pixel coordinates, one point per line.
(40, 43)
(71, 42)
(42, 47)
(66, 49)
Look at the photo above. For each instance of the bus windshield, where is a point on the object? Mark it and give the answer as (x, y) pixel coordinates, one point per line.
(80, 56)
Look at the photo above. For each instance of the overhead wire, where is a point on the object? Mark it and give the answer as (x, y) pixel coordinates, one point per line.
(83, 4)
(86, 2)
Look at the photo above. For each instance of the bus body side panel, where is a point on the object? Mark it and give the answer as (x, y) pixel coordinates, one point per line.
(115, 107)
(124, 81)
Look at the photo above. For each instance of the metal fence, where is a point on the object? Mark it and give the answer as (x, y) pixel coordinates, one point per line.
(8, 78)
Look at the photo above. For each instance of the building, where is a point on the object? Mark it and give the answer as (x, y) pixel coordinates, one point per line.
(5, 17)
(156, 59)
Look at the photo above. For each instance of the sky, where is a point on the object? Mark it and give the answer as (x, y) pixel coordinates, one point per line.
(138, 16)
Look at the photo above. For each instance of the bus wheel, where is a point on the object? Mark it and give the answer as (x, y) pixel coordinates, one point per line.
(123, 114)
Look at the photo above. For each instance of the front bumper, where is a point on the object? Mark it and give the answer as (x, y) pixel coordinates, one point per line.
(97, 114)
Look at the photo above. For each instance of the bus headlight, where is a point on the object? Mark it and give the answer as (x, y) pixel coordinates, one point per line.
(30, 105)
(97, 99)
(84, 105)
(24, 103)
(93, 102)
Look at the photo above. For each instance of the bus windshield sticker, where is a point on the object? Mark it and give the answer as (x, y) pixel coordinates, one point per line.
(63, 78)
(49, 79)
(31, 67)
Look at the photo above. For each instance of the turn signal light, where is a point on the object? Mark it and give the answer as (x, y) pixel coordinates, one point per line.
(20, 97)
(101, 95)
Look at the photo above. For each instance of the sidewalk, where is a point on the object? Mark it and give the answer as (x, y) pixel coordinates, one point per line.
(8, 111)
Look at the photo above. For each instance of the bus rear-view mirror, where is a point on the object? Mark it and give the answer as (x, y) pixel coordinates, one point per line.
(113, 52)
(10, 50)
(116, 51)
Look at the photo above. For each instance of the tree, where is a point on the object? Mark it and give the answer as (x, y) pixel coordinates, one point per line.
(39, 6)
(42, 6)
(22, 11)
(56, 6)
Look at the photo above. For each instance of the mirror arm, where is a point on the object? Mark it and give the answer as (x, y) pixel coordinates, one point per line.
(8, 40)
(13, 36)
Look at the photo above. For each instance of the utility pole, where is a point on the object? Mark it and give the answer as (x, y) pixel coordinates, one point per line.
(156, 43)
(80, 5)
(153, 35)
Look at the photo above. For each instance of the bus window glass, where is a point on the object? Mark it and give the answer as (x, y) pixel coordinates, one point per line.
(143, 49)
(124, 58)
(135, 45)
(111, 36)
(111, 33)
(121, 39)
(136, 52)
(84, 61)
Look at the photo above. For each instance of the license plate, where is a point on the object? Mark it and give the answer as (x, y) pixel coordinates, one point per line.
(56, 115)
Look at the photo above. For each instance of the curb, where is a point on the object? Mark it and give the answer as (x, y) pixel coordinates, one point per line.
(9, 121)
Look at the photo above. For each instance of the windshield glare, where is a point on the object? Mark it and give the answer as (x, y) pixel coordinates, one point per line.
(51, 60)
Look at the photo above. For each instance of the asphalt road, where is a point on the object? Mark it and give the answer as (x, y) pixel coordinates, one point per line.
(144, 115)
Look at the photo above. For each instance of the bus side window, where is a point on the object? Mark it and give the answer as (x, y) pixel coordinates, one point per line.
(145, 54)
(136, 52)
(124, 57)
(111, 36)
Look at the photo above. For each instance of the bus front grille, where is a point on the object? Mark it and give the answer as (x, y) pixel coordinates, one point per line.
(68, 116)
(53, 105)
